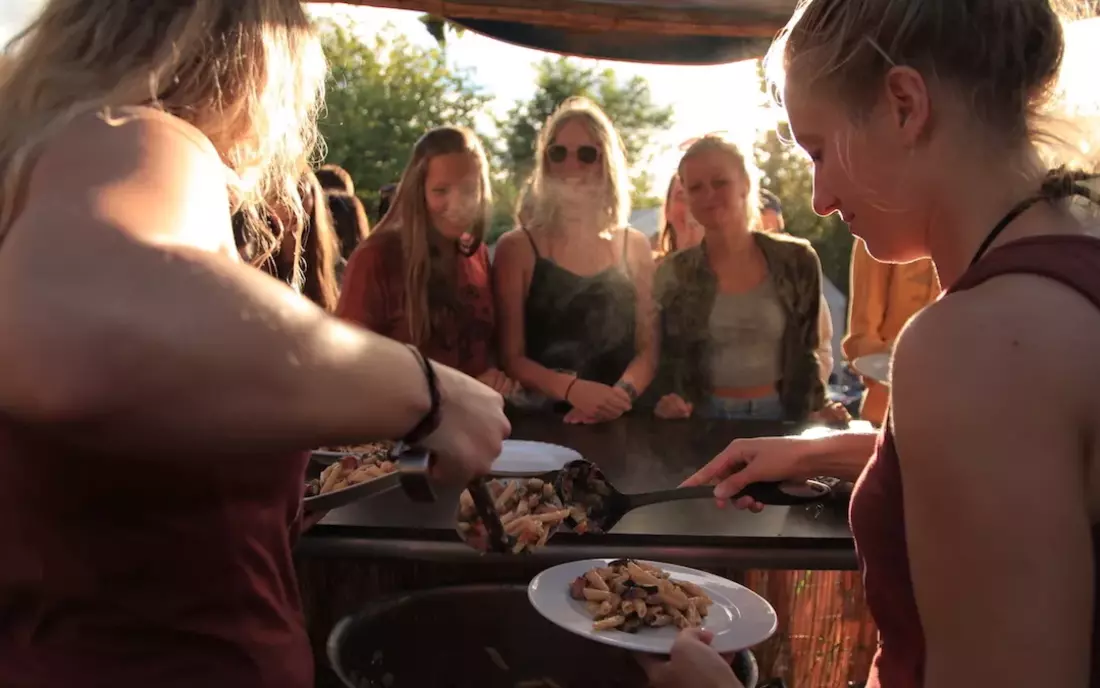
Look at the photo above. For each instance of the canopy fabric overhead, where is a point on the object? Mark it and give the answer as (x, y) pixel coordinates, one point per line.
(656, 31)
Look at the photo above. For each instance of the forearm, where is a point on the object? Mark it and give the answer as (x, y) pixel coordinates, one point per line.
(843, 455)
(825, 361)
(532, 375)
(641, 371)
(181, 350)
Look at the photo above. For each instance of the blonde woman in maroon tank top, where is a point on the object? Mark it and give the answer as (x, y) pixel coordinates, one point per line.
(156, 395)
(976, 512)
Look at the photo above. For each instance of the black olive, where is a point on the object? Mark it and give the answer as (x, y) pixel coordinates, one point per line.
(632, 624)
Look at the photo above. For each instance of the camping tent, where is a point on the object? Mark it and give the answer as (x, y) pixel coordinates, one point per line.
(660, 31)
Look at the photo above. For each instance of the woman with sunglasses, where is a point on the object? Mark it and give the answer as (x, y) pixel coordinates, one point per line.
(574, 282)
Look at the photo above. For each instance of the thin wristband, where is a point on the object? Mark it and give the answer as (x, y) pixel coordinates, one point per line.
(430, 421)
(570, 387)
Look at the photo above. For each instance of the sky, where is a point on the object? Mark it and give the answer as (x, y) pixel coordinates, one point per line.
(705, 99)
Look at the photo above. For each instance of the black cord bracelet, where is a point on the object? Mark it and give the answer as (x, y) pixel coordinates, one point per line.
(570, 387)
(430, 421)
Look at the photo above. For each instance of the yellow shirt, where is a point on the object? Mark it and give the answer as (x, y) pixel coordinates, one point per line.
(882, 299)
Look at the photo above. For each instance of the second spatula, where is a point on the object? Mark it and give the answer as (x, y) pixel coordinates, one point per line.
(598, 506)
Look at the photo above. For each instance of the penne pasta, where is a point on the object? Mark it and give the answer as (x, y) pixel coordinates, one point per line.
(692, 589)
(609, 622)
(596, 581)
(599, 595)
(528, 512)
(370, 463)
(628, 596)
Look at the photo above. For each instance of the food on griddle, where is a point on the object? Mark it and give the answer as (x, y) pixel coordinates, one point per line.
(372, 449)
(374, 462)
(627, 595)
(529, 511)
(587, 497)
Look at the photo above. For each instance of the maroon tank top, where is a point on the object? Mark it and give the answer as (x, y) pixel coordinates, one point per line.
(877, 511)
(140, 572)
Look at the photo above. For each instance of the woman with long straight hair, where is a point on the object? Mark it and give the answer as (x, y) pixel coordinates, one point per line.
(422, 276)
(159, 396)
(320, 246)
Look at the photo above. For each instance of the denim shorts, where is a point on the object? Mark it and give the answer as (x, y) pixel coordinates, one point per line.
(723, 408)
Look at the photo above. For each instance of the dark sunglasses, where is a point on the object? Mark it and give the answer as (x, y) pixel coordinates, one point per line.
(586, 155)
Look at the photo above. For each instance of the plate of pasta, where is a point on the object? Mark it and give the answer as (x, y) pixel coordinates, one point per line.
(642, 605)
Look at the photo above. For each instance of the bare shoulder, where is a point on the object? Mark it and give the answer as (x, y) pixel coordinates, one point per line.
(991, 397)
(639, 250)
(513, 251)
(1016, 352)
(635, 237)
(130, 165)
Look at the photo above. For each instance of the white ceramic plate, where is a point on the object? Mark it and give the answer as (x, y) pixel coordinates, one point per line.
(874, 366)
(739, 618)
(519, 457)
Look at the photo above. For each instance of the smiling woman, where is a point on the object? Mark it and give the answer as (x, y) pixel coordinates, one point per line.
(739, 312)
(422, 276)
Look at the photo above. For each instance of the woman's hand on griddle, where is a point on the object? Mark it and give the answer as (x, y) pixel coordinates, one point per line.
(754, 460)
(472, 426)
(693, 663)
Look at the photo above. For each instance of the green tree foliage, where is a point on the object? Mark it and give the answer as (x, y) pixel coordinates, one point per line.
(382, 95)
(789, 175)
(629, 104)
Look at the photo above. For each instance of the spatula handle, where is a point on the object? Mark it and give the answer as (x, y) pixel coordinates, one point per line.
(676, 494)
(786, 494)
(775, 494)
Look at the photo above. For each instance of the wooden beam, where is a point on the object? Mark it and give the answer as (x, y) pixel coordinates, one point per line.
(753, 18)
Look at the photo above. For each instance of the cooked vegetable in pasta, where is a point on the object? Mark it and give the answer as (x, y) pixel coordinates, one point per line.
(529, 510)
(352, 470)
(585, 494)
(626, 595)
(371, 449)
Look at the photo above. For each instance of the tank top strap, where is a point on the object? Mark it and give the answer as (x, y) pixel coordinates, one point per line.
(534, 246)
(1072, 260)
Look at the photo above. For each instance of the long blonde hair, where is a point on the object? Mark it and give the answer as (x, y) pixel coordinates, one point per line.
(408, 216)
(615, 204)
(247, 73)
